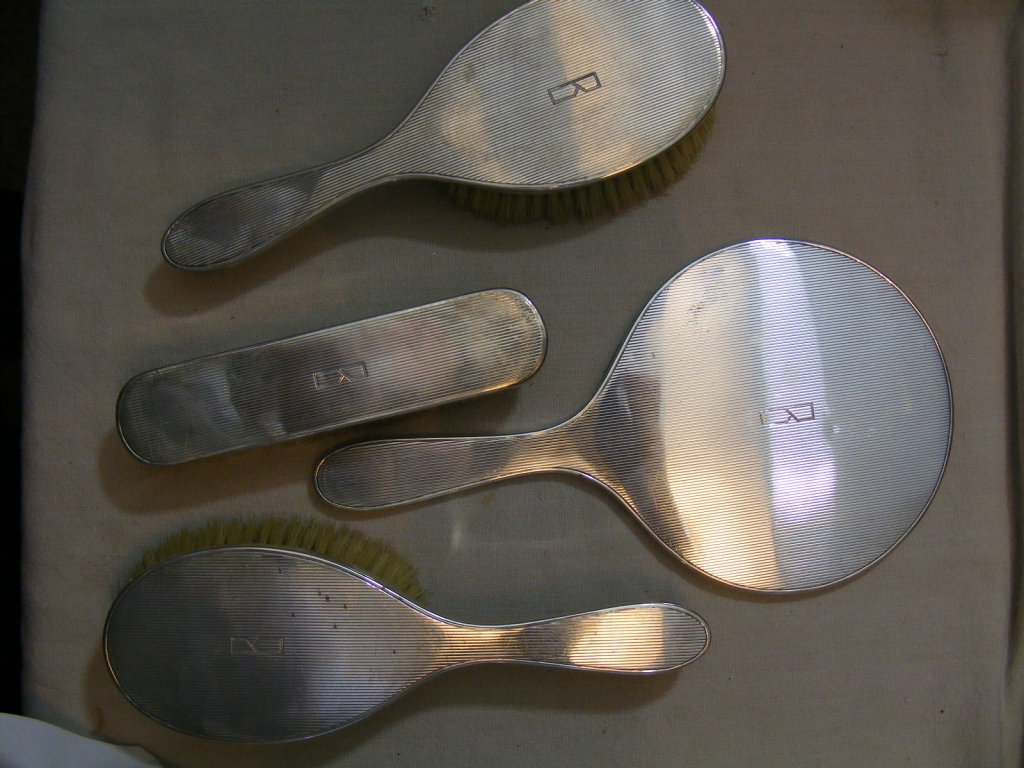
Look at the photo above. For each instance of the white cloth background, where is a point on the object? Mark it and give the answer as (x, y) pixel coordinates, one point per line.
(878, 128)
(28, 743)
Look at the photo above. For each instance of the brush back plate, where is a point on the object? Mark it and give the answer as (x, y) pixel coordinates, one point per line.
(332, 378)
(249, 644)
(558, 93)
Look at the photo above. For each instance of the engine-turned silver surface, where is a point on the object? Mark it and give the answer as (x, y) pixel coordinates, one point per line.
(779, 417)
(331, 378)
(554, 94)
(256, 644)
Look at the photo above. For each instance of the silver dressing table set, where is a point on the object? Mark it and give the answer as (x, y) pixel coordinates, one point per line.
(778, 417)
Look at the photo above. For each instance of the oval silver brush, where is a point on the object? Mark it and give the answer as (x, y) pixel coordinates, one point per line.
(554, 95)
(263, 644)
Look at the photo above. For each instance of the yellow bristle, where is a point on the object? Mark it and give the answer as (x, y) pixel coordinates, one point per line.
(601, 198)
(339, 544)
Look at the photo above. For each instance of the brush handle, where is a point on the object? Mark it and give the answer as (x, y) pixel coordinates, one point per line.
(233, 225)
(386, 473)
(634, 639)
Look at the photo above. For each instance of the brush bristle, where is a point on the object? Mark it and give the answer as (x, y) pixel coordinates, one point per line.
(337, 543)
(601, 198)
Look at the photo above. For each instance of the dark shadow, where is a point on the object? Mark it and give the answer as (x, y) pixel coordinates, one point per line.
(407, 210)
(19, 36)
(10, 440)
(602, 497)
(509, 686)
(414, 210)
(135, 487)
(599, 495)
(143, 489)
(1013, 260)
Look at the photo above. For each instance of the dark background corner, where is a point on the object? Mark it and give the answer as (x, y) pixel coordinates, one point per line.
(19, 36)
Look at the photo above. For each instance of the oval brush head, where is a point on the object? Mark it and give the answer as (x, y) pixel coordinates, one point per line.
(605, 197)
(261, 644)
(337, 543)
(553, 94)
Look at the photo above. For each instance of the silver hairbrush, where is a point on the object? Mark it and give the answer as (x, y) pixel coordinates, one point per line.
(331, 378)
(554, 95)
(263, 644)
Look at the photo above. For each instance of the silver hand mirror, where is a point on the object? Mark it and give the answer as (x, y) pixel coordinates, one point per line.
(778, 417)
(258, 644)
(553, 95)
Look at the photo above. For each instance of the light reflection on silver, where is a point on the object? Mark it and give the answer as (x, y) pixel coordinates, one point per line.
(330, 378)
(488, 119)
(257, 644)
(779, 418)
(803, 472)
